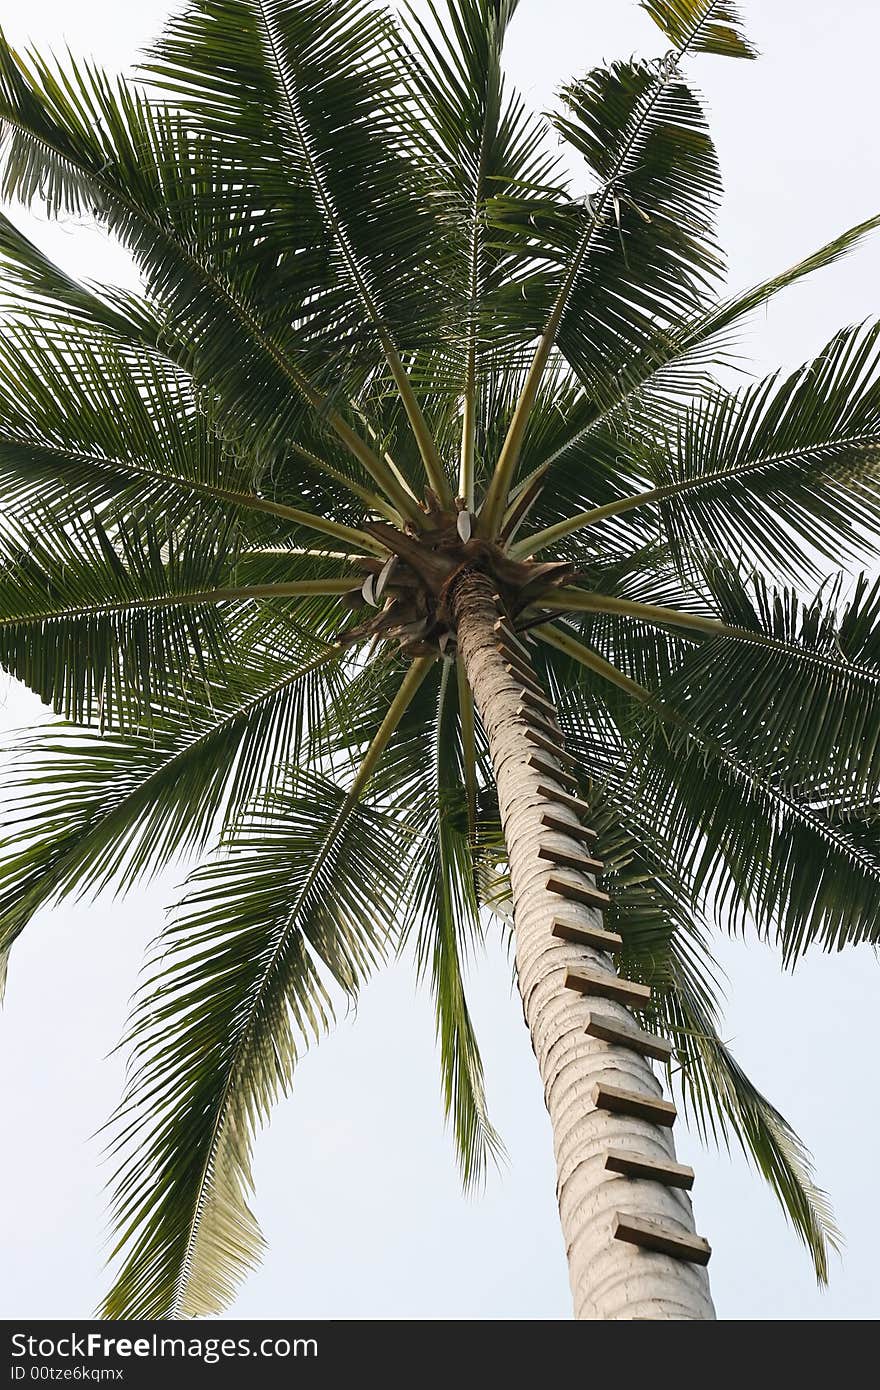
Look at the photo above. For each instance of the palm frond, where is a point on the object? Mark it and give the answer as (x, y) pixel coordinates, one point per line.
(723, 1102)
(240, 981)
(733, 674)
(644, 133)
(313, 96)
(654, 259)
(488, 145)
(755, 845)
(30, 281)
(117, 425)
(444, 905)
(288, 896)
(81, 144)
(593, 466)
(88, 811)
(702, 26)
(117, 624)
(809, 447)
(321, 90)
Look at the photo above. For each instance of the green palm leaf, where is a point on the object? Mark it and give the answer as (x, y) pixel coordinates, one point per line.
(107, 809)
(240, 981)
(488, 146)
(651, 390)
(445, 906)
(701, 26)
(91, 149)
(754, 842)
(119, 624)
(233, 554)
(325, 119)
(808, 446)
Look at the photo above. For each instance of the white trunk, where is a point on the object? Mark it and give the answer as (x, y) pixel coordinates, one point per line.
(610, 1278)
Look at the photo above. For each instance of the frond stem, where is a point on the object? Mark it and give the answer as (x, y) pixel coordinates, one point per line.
(496, 497)
(424, 439)
(530, 545)
(468, 745)
(298, 379)
(398, 707)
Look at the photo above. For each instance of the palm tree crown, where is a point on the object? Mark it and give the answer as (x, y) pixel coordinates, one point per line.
(384, 340)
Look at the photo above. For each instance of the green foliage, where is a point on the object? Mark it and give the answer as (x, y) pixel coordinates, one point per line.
(116, 625)
(91, 811)
(304, 897)
(361, 262)
(656, 908)
(328, 128)
(808, 449)
(701, 26)
(444, 903)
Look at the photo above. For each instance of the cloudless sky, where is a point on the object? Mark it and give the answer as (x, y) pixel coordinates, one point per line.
(356, 1182)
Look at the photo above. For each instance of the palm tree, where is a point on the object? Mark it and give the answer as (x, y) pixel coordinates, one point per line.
(399, 554)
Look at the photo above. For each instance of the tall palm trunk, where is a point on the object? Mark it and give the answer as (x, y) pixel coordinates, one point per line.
(617, 1227)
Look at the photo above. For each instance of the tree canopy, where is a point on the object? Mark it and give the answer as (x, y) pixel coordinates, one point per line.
(374, 298)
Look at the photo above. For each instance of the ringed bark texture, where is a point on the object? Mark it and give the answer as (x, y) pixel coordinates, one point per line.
(610, 1279)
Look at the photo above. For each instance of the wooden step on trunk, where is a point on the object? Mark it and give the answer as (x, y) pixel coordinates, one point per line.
(571, 859)
(513, 658)
(596, 937)
(526, 682)
(574, 803)
(538, 721)
(505, 637)
(553, 747)
(650, 1235)
(581, 892)
(539, 701)
(548, 770)
(505, 626)
(603, 985)
(633, 1165)
(523, 668)
(635, 1103)
(567, 827)
(647, 1044)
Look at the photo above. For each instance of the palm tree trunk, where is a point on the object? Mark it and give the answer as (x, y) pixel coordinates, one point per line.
(602, 1210)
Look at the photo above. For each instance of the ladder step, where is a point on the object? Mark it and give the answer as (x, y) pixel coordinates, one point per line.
(652, 1236)
(523, 673)
(578, 892)
(633, 1165)
(586, 936)
(574, 803)
(506, 636)
(636, 1103)
(505, 626)
(571, 859)
(527, 682)
(567, 827)
(607, 986)
(554, 747)
(547, 770)
(539, 702)
(513, 655)
(648, 1044)
(540, 722)
(522, 667)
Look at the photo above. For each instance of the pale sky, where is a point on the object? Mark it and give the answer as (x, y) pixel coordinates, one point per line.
(357, 1189)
